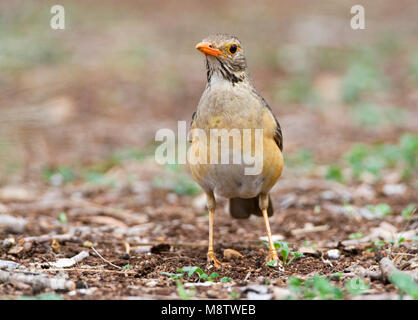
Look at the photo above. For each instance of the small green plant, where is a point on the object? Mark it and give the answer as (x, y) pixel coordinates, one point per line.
(356, 286)
(363, 76)
(235, 295)
(357, 235)
(59, 175)
(99, 179)
(62, 217)
(382, 209)
(405, 284)
(301, 160)
(226, 279)
(369, 115)
(334, 172)
(182, 292)
(307, 243)
(43, 296)
(414, 67)
(176, 180)
(299, 89)
(400, 240)
(409, 211)
(283, 248)
(173, 276)
(315, 287)
(192, 270)
(272, 264)
(126, 267)
(375, 158)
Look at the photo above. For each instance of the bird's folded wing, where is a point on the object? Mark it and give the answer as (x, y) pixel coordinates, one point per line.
(278, 136)
(189, 135)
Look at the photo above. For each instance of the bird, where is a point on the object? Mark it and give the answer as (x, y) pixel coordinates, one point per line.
(231, 102)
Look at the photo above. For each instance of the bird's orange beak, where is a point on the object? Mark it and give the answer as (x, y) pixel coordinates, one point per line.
(206, 48)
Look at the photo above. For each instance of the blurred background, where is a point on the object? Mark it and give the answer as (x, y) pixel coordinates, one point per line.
(77, 103)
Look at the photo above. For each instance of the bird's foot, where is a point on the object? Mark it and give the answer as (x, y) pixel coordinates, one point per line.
(273, 260)
(213, 261)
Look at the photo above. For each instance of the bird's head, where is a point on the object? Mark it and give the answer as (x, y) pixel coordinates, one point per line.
(224, 58)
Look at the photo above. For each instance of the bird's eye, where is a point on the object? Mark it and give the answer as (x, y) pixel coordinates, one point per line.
(233, 48)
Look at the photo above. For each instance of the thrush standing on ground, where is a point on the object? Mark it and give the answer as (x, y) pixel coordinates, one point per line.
(230, 101)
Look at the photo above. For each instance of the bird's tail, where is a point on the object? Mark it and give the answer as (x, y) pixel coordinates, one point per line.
(240, 208)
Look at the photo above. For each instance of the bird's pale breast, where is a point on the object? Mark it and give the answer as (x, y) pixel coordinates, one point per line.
(224, 106)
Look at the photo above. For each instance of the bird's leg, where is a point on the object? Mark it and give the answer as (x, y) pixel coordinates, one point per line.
(273, 256)
(211, 254)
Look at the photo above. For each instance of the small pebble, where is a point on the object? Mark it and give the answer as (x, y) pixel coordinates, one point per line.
(160, 248)
(151, 284)
(125, 256)
(7, 243)
(87, 244)
(142, 249)
(333, 254)
(232, 254)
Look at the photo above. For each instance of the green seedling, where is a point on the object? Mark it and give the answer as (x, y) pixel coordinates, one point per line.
(99, 179)
(235, 295)
(409, 211)
(64, 174)
(405, 284)
(173, 276)
(190, 271)
(382, 209)
(356, 286)
(298, 89)
(375, 158)
(363, 76)
(182, 292)
(310, 244)
(400, 240)
(301, 160)
(283, 248)
(370, 115)
(315, 287)
(62, 217)
(175, 180)
(357, 235)
(334, 172)
(43, 296)
(126, 267)
(272, 264)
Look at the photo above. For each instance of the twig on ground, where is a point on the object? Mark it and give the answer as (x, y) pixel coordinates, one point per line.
(87, 270)
(127, 247)
(48, 237)
(247, 276)
(107, 261)
(9, 265)
(309, 229)
(12, 223)
(388, 269)
(69, 262)
(37, 280)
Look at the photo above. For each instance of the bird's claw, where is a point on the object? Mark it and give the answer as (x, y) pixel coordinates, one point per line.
(273, 260)
(215, 262)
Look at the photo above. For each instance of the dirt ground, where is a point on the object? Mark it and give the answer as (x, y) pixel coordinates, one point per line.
(77, 171)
